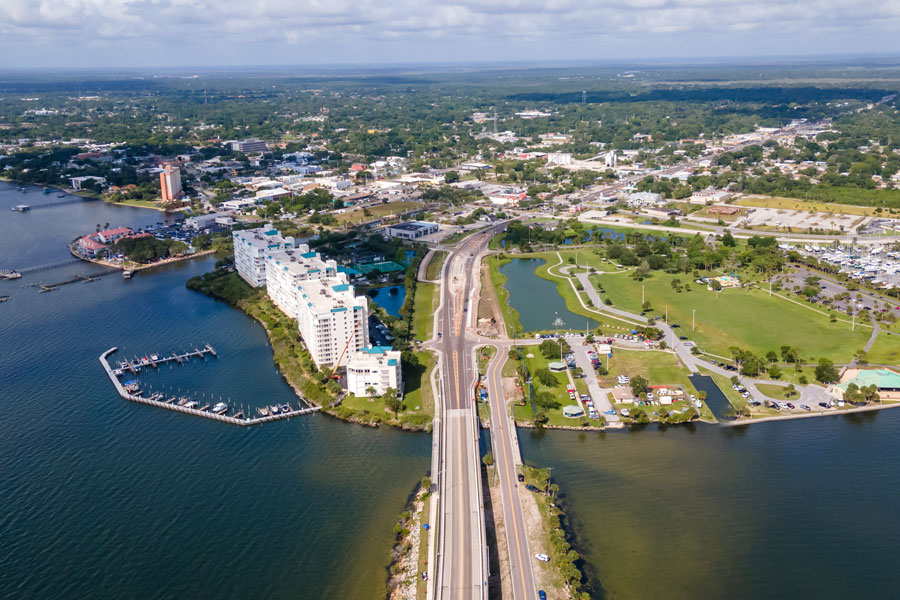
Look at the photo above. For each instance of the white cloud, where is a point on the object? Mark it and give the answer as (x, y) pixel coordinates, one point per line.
(434, 30)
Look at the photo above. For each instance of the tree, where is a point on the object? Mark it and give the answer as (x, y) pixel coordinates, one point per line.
(451, 177)
(426, 483)
(639, 385)
(728, 240)
(774, 372)
(488, 459)
(546, 377)
(826, 371)
(370, 392)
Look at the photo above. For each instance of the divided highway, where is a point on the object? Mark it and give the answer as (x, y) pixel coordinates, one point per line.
(462, 560)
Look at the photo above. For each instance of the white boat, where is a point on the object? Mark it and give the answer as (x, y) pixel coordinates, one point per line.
(220, 408)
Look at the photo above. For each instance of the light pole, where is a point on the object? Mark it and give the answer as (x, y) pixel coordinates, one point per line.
(693, 319)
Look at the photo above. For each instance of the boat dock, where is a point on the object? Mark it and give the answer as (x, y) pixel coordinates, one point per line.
(153, 360)
(184, 405)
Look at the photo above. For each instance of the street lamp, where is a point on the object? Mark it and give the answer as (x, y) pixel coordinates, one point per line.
(693, 320)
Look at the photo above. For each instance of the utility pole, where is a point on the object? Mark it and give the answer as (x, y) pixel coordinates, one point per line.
(693, 320)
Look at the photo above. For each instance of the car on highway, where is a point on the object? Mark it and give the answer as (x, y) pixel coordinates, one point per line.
(542, 557)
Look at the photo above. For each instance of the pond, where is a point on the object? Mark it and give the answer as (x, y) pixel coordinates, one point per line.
(389, 298)
(537, 300)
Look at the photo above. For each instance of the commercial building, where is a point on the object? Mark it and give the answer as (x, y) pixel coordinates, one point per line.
(108, 236)
(203, 221)
(77, 182)
(170, 184)
(250, 249)
(246, 146)
(412, 230)
(645, 199)
(375, 367)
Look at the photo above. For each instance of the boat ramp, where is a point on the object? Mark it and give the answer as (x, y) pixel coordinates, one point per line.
(218, 412)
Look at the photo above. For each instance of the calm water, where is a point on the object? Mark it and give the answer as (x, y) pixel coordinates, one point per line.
(792, 509)
(389, 298)
(537, 300)
(106, 499)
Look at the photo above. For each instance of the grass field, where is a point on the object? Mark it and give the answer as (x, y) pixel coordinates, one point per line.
(747, 318)
(426, 302)
(510, 315)
(418, 390)
(433, 270)
(817, 207)
(352, 217)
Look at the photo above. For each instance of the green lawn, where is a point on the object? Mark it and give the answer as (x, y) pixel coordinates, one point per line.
(779, 392)
(747, 318)
(433, 270)
(485, 354)
(510, 315)
(425, 304)
(657, 367)
(418, 399)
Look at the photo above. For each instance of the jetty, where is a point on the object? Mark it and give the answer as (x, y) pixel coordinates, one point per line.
(184, 405)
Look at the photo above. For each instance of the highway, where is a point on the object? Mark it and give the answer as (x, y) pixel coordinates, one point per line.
(462, 560)
(506, 455)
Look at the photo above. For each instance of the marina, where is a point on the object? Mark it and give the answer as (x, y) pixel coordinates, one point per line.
(219, 412)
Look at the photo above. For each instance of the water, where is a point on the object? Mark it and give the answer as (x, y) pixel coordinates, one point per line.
(792, 509)
(103, 498)
(389, 298)
(715, 399)
(537, 300)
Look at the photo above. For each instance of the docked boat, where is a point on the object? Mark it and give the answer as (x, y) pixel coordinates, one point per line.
(127, 273)
(285, 408)
(220, 408)
(10, 274)
(182, 401)
(275, 409)
(4, 298)
(263, 412)
(192, 404)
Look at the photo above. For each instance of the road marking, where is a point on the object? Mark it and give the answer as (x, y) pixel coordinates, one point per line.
(459, 471)
(503, 444)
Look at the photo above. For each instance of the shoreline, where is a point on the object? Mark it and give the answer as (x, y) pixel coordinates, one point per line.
(135, 269)
(811, 415)
(328, 408)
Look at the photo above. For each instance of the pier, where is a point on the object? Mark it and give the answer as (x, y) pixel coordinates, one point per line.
(153, 360)
(184, 405)
(72, 200)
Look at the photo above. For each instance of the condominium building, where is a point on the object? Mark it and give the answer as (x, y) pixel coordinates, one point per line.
(333, 320)
(251, 246)
(375, 367)
(286, 268)
(170, 184)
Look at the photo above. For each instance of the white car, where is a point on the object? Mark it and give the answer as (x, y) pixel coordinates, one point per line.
(542, 557)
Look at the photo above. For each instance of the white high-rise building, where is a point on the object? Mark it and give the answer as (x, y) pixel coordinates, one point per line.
(251, 246)
(285, 269)
(376, 367)
(333, 320)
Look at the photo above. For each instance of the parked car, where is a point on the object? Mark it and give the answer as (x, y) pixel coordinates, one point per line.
(521, 477)
(542, 557)
(542, 595)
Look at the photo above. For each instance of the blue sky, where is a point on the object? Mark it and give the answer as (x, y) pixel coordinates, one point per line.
(167, 33)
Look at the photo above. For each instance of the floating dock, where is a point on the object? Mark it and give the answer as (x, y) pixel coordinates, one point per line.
(152, 360)
(192, 408)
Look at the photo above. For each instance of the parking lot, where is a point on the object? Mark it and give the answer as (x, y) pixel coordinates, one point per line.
(800, 220)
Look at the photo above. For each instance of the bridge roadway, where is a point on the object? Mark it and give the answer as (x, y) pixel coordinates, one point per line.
(462, 560)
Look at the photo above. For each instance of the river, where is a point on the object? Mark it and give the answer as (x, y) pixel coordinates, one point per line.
(792, 509)
(107, 499)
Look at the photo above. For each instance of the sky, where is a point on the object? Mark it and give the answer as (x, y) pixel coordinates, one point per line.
(172, 33)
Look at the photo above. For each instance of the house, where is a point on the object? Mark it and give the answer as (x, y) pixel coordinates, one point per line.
(645, 199)
(622, 395)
